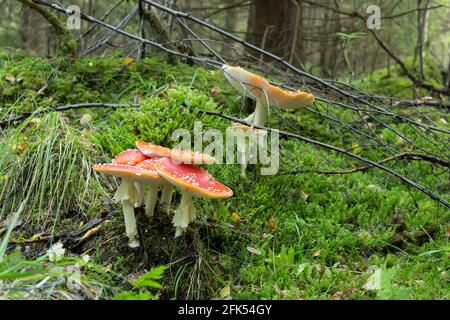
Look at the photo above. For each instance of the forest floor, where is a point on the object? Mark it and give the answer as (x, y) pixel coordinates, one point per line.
(303, 236)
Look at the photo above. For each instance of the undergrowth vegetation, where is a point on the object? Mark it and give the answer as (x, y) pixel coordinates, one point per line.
(279, 237)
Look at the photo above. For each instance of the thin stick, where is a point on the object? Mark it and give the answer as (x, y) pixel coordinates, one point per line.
(404, 155)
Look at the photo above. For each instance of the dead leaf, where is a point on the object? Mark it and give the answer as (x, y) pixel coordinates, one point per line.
(272, 224)
(304, 195)
(253, 250)
(317, 253)
(128, 61)
(85, 118)
(225, 292)
(10, 78)
(215, 91)
(236, 218)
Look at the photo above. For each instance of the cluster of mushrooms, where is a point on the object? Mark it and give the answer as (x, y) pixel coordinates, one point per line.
(155, 167)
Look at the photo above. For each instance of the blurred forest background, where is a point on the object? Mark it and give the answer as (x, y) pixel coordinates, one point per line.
(326, 37)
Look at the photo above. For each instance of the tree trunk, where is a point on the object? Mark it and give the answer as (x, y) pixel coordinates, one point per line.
(277, 24)
(231, 20)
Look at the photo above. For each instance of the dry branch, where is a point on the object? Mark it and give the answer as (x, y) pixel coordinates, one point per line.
(401, 156)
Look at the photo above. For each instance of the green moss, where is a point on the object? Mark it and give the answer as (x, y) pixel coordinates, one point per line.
(394, 82)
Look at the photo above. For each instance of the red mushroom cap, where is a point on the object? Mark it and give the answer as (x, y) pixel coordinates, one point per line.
(118, 170)
(130, 157)
(196, 180)
(133, 164)
(183, 156)
(148, 168)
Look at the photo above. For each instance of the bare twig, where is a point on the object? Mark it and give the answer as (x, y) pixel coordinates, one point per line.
(401, 156)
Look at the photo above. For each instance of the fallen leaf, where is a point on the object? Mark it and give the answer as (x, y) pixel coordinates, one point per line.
(374, 281)
(253, 250)
(73, 281)
(215, 91)
(85, 118)
(225, 292)
(272, 224)
(304, 195)
(236, 218)
(10, 78)
(128, 61)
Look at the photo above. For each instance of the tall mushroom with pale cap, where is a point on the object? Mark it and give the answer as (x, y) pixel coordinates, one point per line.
(264, 93)
(192, 181)
(182, 156)
(123, 166)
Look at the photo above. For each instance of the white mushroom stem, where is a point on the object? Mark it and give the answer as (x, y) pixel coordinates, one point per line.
(260, 117)
(166, 197)
(128, 194)
(150, 201)
(140, 191)
(130, 224)
(184, 214)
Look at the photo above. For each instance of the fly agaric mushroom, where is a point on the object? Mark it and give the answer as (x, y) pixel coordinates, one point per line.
(150, 177)
(192, 181)
(123, 166)
(183, 156)
(264, 93)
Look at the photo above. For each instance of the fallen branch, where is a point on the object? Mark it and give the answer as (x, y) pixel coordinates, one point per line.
(401, 156)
